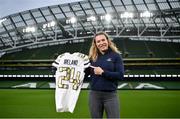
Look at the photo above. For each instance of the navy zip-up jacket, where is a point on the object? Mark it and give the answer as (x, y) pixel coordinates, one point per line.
(112, 64)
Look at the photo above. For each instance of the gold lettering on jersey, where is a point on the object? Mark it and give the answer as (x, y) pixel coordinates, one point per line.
(70, 76)
(70, 62)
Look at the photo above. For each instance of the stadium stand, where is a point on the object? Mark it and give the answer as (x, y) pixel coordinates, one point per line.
(138, 61)
(129, 49)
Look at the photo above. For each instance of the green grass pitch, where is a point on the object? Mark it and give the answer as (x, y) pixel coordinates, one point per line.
(39, 103)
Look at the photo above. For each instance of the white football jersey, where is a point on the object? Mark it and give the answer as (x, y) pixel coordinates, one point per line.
(69, 79)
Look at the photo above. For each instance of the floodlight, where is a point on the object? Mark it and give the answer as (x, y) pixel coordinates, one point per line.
(146, 14)
(29, 29)
(48, 25)
(127, 15)
(2, 20)
(73, 20)
(52, 23)
(44, 26)
(91, 18)
(108, 17)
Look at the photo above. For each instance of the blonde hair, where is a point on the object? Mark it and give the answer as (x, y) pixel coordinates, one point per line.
(93, 51)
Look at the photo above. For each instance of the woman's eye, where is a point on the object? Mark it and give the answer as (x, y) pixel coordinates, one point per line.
(98, 42)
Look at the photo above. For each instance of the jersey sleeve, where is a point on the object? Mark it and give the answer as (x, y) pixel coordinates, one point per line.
(57, 61)
(84, 58)
(86, 62)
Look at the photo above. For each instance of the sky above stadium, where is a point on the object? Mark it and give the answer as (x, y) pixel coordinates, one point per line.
(8, 7)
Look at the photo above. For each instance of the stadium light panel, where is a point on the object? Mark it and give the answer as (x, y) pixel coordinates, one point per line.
(108, 17)
(29, 29)
(44, 26)
(52, 24)
(127, 30)
(2, 20)
(48, 25)
(73, 20)
(127, 15)
(91, 18)
(146, 14)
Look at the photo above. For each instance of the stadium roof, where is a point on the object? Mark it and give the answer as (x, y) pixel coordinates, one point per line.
(15, 6)
(159, 19)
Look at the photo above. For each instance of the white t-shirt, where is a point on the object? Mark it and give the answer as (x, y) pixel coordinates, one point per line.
(69, 79)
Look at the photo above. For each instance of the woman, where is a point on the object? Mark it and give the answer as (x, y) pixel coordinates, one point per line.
(105, 72)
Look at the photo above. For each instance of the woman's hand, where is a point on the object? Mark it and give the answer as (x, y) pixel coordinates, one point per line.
(98, 70)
